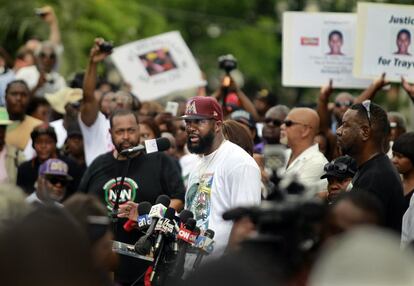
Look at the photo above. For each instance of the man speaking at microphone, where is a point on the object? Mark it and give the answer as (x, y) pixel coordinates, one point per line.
(148, 176)
(225, 177)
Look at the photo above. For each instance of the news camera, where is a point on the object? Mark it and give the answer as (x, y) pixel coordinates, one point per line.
(227, 63)
(287, 223)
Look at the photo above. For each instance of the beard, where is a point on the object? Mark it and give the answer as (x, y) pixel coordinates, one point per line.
(203, 145)
(119, 146)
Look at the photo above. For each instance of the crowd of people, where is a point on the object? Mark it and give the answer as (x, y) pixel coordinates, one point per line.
(67, 188)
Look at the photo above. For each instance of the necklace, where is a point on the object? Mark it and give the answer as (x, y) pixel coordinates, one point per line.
(205, 164)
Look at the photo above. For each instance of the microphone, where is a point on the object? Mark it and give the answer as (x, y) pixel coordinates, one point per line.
(143, 210)
(165, 226)
(143, 245)
(184, 216)
(204, 244)
(151, 146)
(166, 229)
(144, 220)
(185, 238)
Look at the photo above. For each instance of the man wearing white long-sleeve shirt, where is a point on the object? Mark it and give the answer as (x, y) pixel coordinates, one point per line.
(304, 160)
(226, 175)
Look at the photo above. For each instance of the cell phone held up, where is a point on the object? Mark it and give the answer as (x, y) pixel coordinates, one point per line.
(106, 47)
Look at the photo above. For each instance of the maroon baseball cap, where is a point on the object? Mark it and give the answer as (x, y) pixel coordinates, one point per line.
(203, 107)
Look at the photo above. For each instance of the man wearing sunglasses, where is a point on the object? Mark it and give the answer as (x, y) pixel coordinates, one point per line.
(42, 78)
(51, 183)
(304, 160)
(362, 135)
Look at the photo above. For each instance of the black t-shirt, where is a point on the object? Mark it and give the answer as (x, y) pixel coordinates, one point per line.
(149, 176)
(379, 177)
(28, 172)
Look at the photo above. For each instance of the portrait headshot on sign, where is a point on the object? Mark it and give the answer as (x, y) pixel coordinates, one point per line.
(335, 43)
(158, 61)
(403, 42)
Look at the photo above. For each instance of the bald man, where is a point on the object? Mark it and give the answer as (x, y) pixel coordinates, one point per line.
(304, 158)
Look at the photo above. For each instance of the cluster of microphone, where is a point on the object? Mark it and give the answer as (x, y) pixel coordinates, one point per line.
(169, 239)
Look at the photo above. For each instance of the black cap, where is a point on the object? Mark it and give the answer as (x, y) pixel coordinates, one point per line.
(342, 167)
(243, 117)
(74, 130)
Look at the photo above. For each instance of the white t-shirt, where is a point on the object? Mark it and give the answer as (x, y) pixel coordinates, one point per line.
(31, 75)
(96, 138)
(225, 179)
(188, 162)
(60, 131)
(308, 168)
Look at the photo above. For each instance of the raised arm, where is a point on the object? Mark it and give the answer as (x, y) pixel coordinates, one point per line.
(90, 105)
(245, 102)
(322, 107)
(408, 88)
(51, 19)
(370, 92)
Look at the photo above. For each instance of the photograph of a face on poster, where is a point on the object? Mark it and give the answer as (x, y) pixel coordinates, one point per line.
(384, 41)
(403, 42)
(157, 66)
(158, 61)
(318, 47)
(335, 43)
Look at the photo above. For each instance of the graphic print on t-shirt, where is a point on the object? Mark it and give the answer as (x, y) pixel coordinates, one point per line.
(198, 199)
(128, 191)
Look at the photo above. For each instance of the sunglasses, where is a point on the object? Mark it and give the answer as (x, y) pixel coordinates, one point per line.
(56, 180)
(343, 103)
(337, 167)
(367, 106)
(50, 56)
(198, 121)
(275, 122)
(289, 123)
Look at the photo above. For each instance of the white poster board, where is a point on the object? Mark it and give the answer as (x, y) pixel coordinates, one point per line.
(157, 66)
(384, 41)
(318, 47)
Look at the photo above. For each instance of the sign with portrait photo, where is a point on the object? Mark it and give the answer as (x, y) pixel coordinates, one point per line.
(157, 66)
(384, 41)
(318, 47)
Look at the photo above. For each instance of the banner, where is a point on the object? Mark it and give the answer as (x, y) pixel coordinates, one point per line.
(157, 66)
(384, 41)
(318, 47)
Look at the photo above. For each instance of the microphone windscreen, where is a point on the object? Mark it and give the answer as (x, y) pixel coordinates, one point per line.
(185, 215)
(209, 233)
(190, 224)
(197, 231)
(144, 208)
(163, 144)
(170, 214)
(164, 200)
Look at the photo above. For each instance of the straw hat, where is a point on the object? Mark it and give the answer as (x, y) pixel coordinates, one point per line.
(66, 95)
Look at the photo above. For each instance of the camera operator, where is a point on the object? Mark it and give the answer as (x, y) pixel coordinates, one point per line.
(229, 92)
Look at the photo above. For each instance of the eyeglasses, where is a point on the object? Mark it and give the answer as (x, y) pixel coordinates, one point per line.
(56, 180)
(275, 122)
(343, 103)
(367, 105)
(337, 167)
(289, 123)
(51, 56)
